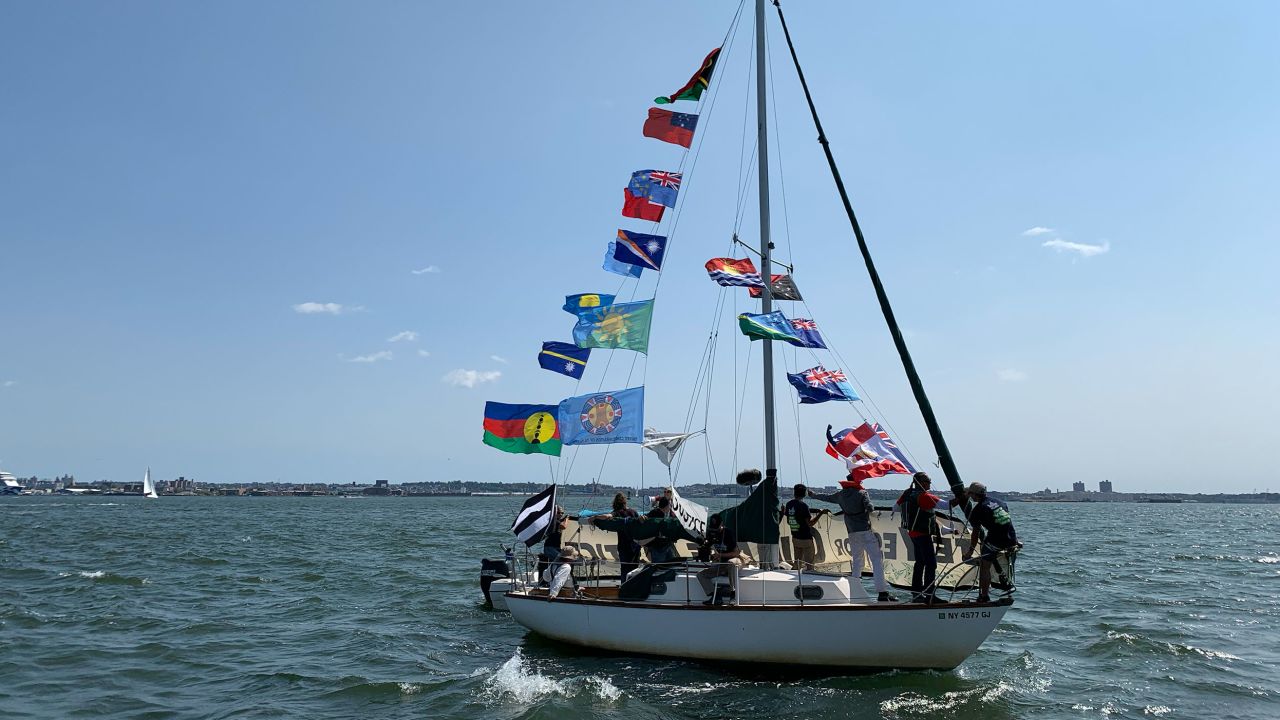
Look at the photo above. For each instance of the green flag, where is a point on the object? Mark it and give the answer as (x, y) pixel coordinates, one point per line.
(624, 326)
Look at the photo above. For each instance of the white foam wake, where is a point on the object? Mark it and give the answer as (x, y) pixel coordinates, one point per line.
(517, 681)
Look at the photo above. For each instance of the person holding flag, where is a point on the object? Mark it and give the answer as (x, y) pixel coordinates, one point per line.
(855, 501)
(918, 505)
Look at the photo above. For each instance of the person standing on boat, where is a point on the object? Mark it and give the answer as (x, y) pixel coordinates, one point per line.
(555, 535)
(993, 526)
(628, 548)
(720, 546)
(918, 505)
(855, 503)
(800, 519)
(662, 549)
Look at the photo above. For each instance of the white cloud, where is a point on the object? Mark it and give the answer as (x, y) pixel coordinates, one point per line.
(1085, 249)
(10, 383)
(1011, 375)
(499, 359)
(470, 378)
(371, 357)
(423, 353)
(406, 336)
(315, 308)
(1037, 230)
(432, 269)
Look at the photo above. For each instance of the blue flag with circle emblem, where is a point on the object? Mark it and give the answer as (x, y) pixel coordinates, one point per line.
(585, 301)
(564, 358)
(639, 249)
(604, 417)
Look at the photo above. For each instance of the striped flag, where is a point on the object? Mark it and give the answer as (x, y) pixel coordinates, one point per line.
(535, 517)
(728, 271)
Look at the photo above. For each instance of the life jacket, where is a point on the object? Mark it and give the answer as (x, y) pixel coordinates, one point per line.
(914, 517)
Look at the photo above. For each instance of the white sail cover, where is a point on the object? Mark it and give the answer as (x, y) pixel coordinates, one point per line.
(665, 445)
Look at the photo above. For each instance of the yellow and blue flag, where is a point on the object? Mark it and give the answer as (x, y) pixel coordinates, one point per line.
(564, 358)
(575, 304)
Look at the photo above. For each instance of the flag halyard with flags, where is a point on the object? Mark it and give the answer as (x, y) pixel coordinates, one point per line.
(728, 271)
(818, 384)
(639, 249)
(564, 358)
(692, 90)
(622, 326)
(535, 517)
(522, 428)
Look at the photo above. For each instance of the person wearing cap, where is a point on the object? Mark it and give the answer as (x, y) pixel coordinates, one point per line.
(918, 505)
(855, 502)
(993, 526)
(560, 573)
(720, 547)
(800, 519)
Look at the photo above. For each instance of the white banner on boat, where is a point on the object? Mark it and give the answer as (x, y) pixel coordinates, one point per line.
(832, 548)
(692, 516)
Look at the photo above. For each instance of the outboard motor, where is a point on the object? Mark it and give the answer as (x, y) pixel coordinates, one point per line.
(490, 569)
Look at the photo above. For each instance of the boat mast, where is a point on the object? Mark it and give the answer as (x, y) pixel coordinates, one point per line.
(917, 388)
(766, 264)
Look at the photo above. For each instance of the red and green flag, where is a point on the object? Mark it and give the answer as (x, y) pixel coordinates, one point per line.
(692, 90)
(522, 428)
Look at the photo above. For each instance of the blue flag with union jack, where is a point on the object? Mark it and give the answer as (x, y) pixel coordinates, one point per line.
(818, 384)
(659, 186)
(806, 331)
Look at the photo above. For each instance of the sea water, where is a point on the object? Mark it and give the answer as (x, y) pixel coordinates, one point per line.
(324, 607)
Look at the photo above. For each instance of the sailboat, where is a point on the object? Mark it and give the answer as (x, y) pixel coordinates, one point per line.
(664, 610)
(149, 486)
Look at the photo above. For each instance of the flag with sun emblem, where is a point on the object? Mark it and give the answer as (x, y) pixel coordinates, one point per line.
(606, 417)
(564, 358)
(643, 251)
(622, 326)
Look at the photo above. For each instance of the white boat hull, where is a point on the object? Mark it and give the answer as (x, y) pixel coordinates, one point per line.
(868, 636)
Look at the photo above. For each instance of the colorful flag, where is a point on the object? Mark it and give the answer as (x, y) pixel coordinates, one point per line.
(728, 271)
(535, 517)
(573, 304)
(782, 287)
(621, 268)
(610, 417)
(673, 127)
(768, 326)
(624, 326)
(868, 453)
(522, 428)
(640, 207)
(659, 186)
(818, 384)
(564, 358)
(807, 332)
(644, 251)
(692, 90)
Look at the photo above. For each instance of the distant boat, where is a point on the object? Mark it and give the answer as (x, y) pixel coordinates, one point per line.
(149, 486)
(9, 485)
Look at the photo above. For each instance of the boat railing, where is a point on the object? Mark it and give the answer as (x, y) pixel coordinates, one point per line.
(1002, 566)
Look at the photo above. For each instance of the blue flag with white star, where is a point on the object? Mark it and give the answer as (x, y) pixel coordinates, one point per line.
(643, 251)
(564, 358)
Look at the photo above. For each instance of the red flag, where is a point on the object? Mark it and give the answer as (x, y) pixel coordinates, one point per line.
(672, 127)
(843, 443)
(640, 207)
(782, 287)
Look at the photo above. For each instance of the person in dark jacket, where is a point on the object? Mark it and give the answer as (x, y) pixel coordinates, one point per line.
(800, 519)
(662, 549)
(628, 548)
(917, 506)
(993, 526)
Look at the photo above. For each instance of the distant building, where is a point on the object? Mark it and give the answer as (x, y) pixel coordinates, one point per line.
(1105, 486)
(1077, 486)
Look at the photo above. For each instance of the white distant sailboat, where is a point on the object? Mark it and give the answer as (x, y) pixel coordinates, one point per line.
(149, 486)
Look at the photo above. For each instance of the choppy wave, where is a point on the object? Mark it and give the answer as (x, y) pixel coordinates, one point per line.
(517, 681)
(955, 702)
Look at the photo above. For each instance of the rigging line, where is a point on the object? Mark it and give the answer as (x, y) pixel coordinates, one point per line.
(794, 363)
(782, 181)
(949, 469)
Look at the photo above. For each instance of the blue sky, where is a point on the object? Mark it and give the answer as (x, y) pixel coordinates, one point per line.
(179, 182)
